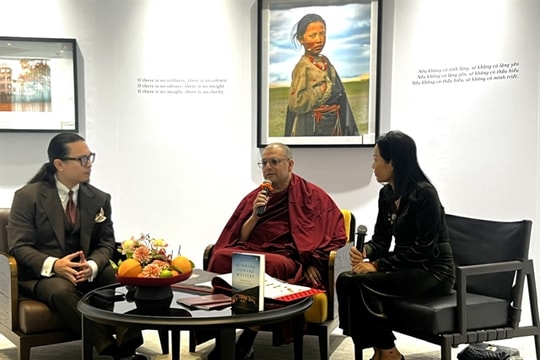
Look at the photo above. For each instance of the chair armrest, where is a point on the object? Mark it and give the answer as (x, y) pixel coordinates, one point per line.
(207, 255)
(9, 291)
(338, 262)
(463, 272)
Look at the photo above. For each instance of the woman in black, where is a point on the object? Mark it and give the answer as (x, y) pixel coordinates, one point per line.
(420, 263)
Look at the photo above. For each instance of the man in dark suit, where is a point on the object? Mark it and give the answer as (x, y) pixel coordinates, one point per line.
(61, 234)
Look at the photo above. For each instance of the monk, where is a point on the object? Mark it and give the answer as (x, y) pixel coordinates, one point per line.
(298, 228)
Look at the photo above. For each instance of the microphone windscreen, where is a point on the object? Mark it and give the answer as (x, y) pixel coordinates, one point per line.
(362, 229)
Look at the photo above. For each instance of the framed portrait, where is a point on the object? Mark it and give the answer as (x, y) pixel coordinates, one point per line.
(318, 72)
(38, 85)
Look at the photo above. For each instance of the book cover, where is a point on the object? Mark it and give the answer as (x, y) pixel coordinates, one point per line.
(206, 302)
(247, 280)
(280, 290)
(198, 282)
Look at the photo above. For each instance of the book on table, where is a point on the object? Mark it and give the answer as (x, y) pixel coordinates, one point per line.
(206, 302)
(274, 289)
(199, 282)
(247, 282)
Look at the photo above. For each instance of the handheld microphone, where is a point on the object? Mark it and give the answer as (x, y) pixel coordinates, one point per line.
(361, 232)
(267, 187)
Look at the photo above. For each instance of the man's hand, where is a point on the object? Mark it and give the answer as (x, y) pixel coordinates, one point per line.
(313, 275)
(85, 271)
(74, 271)
(259, 201)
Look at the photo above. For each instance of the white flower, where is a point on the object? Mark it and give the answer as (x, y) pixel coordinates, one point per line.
(100, 217)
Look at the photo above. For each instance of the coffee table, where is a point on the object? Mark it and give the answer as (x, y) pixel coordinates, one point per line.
(124, 313)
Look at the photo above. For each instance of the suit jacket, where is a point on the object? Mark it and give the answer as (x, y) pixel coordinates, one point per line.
(36, 228)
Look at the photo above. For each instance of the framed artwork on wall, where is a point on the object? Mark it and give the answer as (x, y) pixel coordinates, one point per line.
(38, 85)
(318, 72)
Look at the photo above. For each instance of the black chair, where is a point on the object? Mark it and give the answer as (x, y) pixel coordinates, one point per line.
(492, 265)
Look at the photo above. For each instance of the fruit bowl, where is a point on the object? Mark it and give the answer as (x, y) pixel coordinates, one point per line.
(141, 281)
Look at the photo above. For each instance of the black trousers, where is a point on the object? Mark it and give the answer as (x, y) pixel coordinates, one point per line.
(362, 299)
(62, 297)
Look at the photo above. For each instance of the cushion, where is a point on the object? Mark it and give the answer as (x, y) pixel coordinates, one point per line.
(318, 311)
(436, 315)
(35, 316)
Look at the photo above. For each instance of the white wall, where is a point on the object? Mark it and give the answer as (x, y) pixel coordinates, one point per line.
(177, 165)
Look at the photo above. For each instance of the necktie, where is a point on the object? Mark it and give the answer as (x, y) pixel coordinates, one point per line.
(71, 209)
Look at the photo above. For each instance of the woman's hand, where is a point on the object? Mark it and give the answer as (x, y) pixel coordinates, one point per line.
(364, 268)
(356, 256)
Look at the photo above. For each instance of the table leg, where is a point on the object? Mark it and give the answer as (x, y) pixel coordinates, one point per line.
(86, 329)
(175, 344)
(225, 343)
(164, 341)
(298, 333)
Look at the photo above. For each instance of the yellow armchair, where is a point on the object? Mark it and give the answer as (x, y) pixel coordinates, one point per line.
(321, 318)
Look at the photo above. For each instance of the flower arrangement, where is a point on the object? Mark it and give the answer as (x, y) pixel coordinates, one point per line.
(147, 257)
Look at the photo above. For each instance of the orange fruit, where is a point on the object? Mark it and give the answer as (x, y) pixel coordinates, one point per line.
(182, 264)
(129, 268)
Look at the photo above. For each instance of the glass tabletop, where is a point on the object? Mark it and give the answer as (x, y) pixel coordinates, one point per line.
(159, 306)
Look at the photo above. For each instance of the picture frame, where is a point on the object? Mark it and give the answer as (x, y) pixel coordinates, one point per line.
(38, 85)
(301, 106)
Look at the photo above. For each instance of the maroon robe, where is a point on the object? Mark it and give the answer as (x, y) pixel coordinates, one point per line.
(300, 227)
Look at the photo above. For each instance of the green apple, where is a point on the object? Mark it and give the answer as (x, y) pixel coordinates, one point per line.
(165, 274)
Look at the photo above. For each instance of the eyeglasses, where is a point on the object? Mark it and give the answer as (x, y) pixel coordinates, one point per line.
(83, 159)
(271, 162)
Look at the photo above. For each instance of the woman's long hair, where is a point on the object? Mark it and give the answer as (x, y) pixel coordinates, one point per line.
(400, 149)
(57, 150)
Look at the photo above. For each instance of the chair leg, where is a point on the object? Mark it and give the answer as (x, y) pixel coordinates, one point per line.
(324, 344)
(446, 352)
(358, 353)
(298, 337)
(192, 341)
(537, 345)
(23, 352)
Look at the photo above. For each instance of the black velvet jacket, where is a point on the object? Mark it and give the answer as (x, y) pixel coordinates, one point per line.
(420, 232)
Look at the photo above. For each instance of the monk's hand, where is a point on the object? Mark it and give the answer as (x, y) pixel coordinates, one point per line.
(356, 256)
(259, 201)
(364, 268)
(313, 275)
